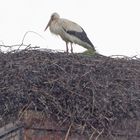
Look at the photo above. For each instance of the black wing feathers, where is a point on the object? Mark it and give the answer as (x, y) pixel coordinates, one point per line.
(81, 35)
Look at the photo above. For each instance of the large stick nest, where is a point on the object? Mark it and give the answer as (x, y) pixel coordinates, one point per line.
(92, 91)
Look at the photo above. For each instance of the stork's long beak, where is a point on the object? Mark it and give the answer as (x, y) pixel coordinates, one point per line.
(48, 24)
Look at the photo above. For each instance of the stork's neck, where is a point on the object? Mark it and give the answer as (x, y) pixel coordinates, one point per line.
(55, 26)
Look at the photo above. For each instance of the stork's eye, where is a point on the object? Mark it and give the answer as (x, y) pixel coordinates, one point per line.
(52, 17)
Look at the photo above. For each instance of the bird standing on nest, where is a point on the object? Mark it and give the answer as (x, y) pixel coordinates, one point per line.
(69, 31)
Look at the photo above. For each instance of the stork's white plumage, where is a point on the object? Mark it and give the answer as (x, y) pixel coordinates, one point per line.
(69, 31)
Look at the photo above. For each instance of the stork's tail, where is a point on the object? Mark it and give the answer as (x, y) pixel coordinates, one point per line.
(89, 46)
(92, 46)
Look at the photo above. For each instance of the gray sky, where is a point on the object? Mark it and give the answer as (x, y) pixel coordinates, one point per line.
(113, 26)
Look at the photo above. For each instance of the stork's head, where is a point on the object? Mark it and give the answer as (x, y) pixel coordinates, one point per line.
(54, 16)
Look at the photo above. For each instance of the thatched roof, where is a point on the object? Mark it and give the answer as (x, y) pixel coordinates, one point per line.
(92, 91)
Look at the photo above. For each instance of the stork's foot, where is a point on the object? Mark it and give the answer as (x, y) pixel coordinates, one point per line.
(67, 53)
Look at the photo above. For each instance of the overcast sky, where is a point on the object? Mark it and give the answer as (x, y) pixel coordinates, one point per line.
(113, 26)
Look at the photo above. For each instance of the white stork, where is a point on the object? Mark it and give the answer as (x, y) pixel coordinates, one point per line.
(69, 31)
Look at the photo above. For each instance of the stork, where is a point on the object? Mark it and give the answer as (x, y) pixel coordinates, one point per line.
(69, 31)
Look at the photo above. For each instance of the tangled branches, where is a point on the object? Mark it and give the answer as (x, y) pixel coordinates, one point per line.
(92, 93)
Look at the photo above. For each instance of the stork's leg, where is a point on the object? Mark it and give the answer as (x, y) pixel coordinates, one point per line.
(71, 48)
(67, 49)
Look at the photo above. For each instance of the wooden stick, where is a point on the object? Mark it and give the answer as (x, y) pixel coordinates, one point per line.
(67, 134)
